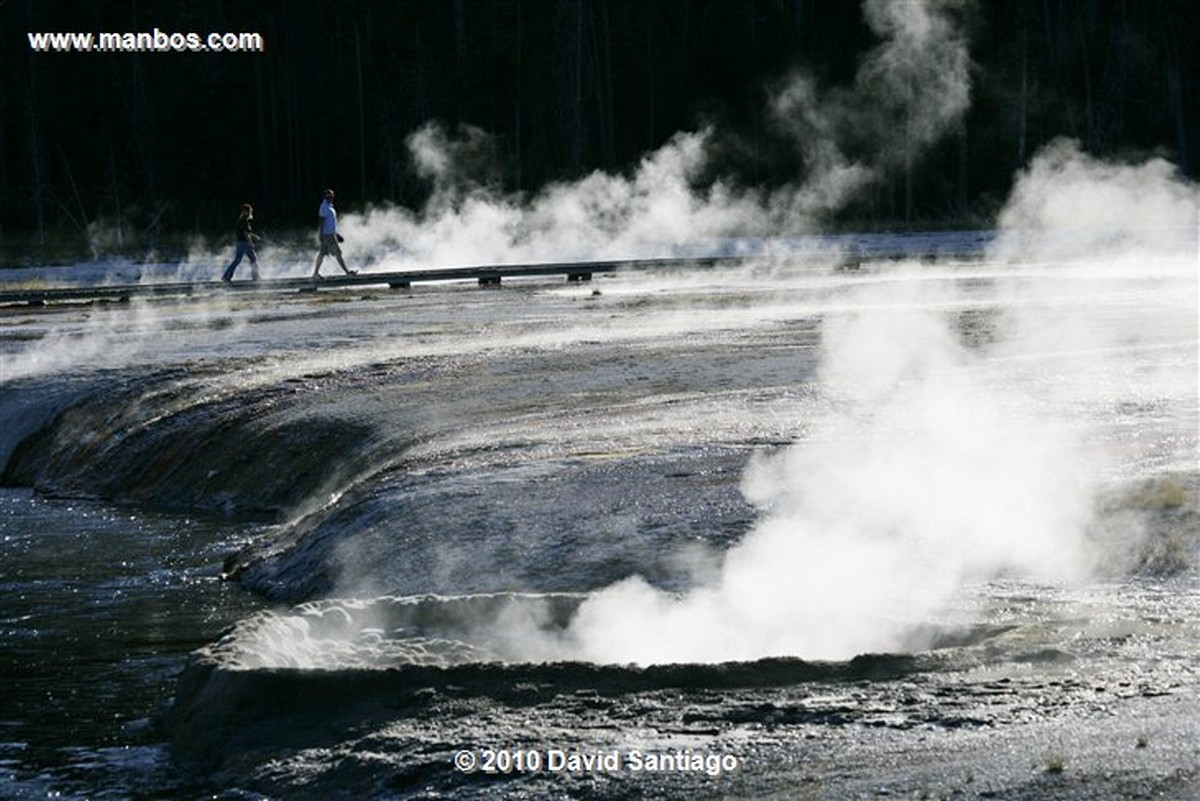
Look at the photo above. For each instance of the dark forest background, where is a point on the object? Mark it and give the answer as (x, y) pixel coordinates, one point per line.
(153, 148)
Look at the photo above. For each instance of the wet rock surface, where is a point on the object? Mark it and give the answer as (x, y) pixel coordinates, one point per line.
(545, 441)
(929, 734)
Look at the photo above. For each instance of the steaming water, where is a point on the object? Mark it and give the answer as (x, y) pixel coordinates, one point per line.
(459, 510)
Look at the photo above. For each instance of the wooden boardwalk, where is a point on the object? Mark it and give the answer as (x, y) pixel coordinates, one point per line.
(487, 275)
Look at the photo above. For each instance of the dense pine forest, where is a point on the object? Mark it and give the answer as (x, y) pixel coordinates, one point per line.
(155, 147)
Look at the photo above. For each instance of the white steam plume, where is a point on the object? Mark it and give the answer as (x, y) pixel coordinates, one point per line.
(104, 338)
(910, 90)
(926, 475)
(939, 465)
(908, 93)
(1069, 205)
(1106, 259)
(600, 215)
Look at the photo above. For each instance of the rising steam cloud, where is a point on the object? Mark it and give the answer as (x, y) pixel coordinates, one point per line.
(924, 476)
(931, 471)
(910, 91)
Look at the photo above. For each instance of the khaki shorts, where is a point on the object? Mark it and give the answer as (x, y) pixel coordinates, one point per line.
(329, 245)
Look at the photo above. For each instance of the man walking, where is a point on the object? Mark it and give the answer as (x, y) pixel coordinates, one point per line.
(328, 236)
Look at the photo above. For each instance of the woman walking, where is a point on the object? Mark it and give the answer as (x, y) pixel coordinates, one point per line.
(244, 240)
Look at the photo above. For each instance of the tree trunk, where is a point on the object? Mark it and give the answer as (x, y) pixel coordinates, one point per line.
(651, 123)
(570, 47)
(518, 105)
(35, 153)
(1089, 112)
(1023, 106)
(602, 31)
(963, 197)
(362, 125)
(1175, 87)
(114, 187)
